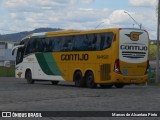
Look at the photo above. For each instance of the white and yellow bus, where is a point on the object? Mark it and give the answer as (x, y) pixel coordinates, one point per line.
(105, 57)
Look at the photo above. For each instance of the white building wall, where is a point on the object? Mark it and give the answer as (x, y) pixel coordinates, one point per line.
(6, 53)
(2, 54)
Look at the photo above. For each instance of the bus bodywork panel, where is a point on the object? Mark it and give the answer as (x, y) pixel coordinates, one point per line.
(41, 67)
(97, 62)
(133, 56)
(129, 47)
(133, 46)
(119, 78)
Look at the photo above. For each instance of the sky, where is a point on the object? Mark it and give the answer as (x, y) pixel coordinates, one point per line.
(26, 15)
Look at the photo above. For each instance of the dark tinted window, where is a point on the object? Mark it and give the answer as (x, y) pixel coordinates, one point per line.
(24, 42)
(37, 45)
(67, 43)
(20, 54)
(92, 42)
(31, 46)
(81, 42)
(41, 45)
(55, 44)
(20, 51)
(105, 40)
(46, 42)
(86, 42)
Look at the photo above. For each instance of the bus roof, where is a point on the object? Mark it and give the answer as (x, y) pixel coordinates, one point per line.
(73, 32)
(69, 32)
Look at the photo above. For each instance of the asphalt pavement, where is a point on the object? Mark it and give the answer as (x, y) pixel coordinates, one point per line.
(17, 95)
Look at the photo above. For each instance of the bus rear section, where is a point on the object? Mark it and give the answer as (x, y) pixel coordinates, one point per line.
(132, 63)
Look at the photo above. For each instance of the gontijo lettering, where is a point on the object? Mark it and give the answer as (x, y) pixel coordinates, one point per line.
(129, 47)
(74, 57)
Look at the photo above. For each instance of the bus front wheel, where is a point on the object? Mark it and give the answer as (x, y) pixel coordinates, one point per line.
(78, 79)
(89, 77)
(29, 77)
(55, 82)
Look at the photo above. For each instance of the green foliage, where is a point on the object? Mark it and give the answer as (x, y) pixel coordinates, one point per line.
(152, 50)
(152, 79)
(7, 71)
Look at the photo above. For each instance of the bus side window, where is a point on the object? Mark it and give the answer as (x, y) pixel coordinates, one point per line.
(35, 44)
(92, 41)
(88, 42)
(106, 40)
(41, 45)
(96, 42)
(56, 44)
(85, 42)
(20, 54)
(31, 46)
(51, 45)
(45, 42)
(68, 43)
(28, 48)
(102, 38)
(78, 43)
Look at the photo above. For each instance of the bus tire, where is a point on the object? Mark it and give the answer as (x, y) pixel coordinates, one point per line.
(54, 82)
(29, 77)
(119, 85)
(78, 79)
(105, 86)
(89, 79)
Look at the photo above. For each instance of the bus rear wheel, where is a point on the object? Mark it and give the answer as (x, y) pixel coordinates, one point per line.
(55, 82)
(89, 78)
(29, 77)
(78, 79)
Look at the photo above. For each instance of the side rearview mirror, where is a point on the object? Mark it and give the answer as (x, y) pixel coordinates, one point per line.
(16, 47)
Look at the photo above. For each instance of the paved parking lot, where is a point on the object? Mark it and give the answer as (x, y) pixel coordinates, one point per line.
(17, 95)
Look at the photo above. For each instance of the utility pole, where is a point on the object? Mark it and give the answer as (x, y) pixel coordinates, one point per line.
(99, 25)
(158, 33)
(140, 25)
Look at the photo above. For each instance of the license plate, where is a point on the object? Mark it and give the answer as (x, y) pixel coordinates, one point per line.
(133, 81)
(125, 71)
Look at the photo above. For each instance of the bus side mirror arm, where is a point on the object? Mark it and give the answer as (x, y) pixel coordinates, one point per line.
(13, 50)
(16, 47)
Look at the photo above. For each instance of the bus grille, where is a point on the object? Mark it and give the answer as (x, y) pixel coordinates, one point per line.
(105, 70)
(133, 54)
